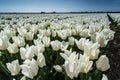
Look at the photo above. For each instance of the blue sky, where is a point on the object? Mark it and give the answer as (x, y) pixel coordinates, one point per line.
(58, 5)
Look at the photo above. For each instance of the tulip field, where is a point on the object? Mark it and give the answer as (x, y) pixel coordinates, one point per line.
(56, 46)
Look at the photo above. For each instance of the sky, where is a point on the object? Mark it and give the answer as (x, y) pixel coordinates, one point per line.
(58, 5)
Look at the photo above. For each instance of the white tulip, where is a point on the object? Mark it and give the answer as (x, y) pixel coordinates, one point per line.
(62, 34)
(47, 32)
(54, 33)
(56, 45)
(13, 67)
(19, 40)
(12, 48)
(57, 68)
(81, 43)
(84, 33)
(71, 40)
(74, 32)
(46, 41)
(22, 31)
(103, 63)
(64, 45)
(29, 36)
(34, 29)
(92, 50)
(41, 60)
(4, 42)
(104, 77)
(29, 68)
(38, 41)
(9, 32)
(70, 64)
(27, 53)
(23, 78)
(84, 63)
(39, 49)
(101, 39)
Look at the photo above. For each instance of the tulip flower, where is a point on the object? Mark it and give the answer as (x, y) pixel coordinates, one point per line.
(39, 49)
(104, 77)
(64, 45)
(4, 42)
(56, 45)
(13, 67)
(41, 60)
(57, 68)
(84, 63)
(29, 36)
(46, 41)
(92, 50)
(71, 40)
(103, 63)
(54, 33)
(27, 53)
(29, 68)
(22, 31)
(19, 40)
(101, 39)
(70, 64)
(81, 43)
(12, 48)
(62, 34)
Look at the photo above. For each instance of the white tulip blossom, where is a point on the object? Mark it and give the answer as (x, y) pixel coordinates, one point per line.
(30, 68)
(101, 39)
(27, 53)
(4, 42)
(13, 67)
(64, 45)
(10, 32)
(71, 40)
(81, 43)
(29, 36)
(39, 49)
(54, 33)
(41, 60)
(92, 50)
(62, 34)
(19, 40)
(104, 77)
(22, 31)
(70, 64)
(58, 68)
(12, 48)
(56, 45)
(84, 63)
(46, 41)
(103, 63)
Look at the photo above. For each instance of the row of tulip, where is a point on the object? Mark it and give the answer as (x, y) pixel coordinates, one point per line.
(115, 17)
(40, 46)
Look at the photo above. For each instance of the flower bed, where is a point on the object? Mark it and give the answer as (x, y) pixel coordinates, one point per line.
(54, 46)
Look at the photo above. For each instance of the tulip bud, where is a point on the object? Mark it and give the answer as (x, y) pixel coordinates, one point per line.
(29, 36)
(12, 48)
(103, 63)
(104, 77)
(27, 53)
(41, 60)
(71, 40)
(46, 41)
(56, 45)
(13, 67)
(29, 68)
(19, 40)
(57, 68)
(4, 42)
